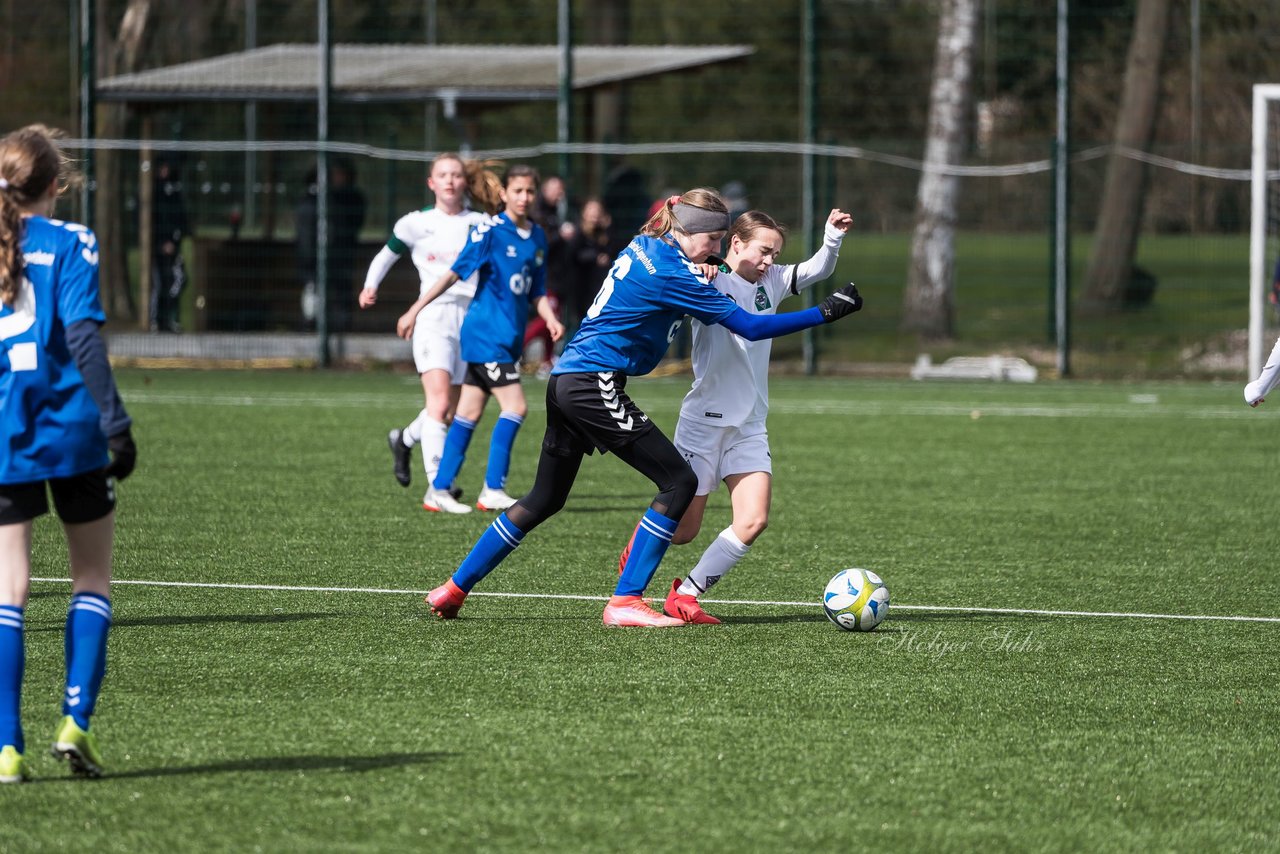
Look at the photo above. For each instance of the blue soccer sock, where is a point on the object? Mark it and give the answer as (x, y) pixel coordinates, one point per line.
(455, 452)
(499, 540)
(88, 620)
(12, 660)
(652, 538)
(504, 436)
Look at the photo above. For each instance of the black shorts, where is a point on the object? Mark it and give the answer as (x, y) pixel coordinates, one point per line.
(491, 375)
(78, 499)
(591, 412)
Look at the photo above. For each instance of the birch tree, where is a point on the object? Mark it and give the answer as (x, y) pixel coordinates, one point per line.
(929, 303)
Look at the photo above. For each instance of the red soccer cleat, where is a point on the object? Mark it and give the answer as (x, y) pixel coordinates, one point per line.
(686, 607)
(446, 600)
(632, 611)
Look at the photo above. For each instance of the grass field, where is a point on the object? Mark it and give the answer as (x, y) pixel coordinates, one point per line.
(1003, 298)
(244, 709)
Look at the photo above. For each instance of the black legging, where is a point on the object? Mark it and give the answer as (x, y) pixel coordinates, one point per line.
(652, 455)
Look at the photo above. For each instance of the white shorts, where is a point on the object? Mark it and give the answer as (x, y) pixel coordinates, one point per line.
(715, 452)
(436, 340)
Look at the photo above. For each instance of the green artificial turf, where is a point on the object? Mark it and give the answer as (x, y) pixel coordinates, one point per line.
(244, 717)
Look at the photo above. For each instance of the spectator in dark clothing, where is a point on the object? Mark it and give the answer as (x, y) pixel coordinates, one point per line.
(550, 210)
(591, 251)
(627, 198)
(346, 218)
(168, 227)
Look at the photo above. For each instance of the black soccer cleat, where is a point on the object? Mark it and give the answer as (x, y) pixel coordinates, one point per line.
(401, 457)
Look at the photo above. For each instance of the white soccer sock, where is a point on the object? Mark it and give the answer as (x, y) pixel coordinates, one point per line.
(432, 433)
(725, 551)
(412, 434)
(1266, 380)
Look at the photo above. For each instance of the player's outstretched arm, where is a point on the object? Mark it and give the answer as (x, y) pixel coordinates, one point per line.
(756, 327)
(823, 262)
(404, 326)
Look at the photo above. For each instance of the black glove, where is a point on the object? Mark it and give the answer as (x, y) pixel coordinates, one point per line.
(124, 455)
(843, 302)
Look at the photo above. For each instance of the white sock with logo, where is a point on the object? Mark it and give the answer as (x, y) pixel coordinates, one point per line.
(432, 439)
(720, 557)
(412, 434)
(1266, 381)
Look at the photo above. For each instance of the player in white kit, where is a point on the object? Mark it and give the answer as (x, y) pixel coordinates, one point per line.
(434, 236)
(721, 432)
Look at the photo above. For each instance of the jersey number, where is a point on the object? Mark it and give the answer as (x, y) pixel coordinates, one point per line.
(23, 356)
(617, 273)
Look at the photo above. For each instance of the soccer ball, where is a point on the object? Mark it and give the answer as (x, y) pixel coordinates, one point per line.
(856, 600)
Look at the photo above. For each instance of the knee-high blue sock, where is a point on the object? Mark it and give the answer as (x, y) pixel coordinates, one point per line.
(652, 538)
(499, 540)
(504, 436)
(86, 647)
(455, 451)
(12, 660)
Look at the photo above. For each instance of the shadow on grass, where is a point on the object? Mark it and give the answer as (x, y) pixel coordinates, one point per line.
(347, 764)
(197, 619)
(770, 618)
(202, 619)
(894, 618)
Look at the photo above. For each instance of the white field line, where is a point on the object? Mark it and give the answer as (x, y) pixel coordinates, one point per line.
(750, 602)
(836, 407)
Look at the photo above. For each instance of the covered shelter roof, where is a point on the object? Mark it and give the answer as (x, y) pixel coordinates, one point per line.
(395, 72)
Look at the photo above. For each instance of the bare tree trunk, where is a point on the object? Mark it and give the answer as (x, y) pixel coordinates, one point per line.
(121, 57)
(1115, 239)
(929, 302)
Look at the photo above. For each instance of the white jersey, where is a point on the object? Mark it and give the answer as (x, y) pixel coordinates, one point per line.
(730, 373)
(434, 238)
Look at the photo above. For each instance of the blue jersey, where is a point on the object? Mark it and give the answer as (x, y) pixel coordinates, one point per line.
(48, 420)
(639, 309)
(513, 273)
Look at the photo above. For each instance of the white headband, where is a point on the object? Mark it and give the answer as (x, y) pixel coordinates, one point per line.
(4, 185)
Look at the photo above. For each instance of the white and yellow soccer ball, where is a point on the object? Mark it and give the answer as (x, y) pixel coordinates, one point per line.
(856, 600)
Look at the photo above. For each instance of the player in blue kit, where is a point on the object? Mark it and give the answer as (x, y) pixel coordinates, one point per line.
(653, 284)
(63, 431)
(434, 237)
(510, 255)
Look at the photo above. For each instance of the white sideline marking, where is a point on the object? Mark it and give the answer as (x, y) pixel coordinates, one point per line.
(762, 603)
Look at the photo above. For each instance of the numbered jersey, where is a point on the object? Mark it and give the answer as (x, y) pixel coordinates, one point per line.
(512, 267)
(639, 309)
(48, 421)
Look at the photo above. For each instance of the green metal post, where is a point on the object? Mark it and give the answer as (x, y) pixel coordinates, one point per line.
(808, 191)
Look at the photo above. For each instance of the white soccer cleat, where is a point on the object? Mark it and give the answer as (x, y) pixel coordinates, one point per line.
(1254, 393)
(493, 500)
(440, 501)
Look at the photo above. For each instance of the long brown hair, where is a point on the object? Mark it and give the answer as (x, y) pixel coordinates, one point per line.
(30, 161)
(664, 220)
(484, 187)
